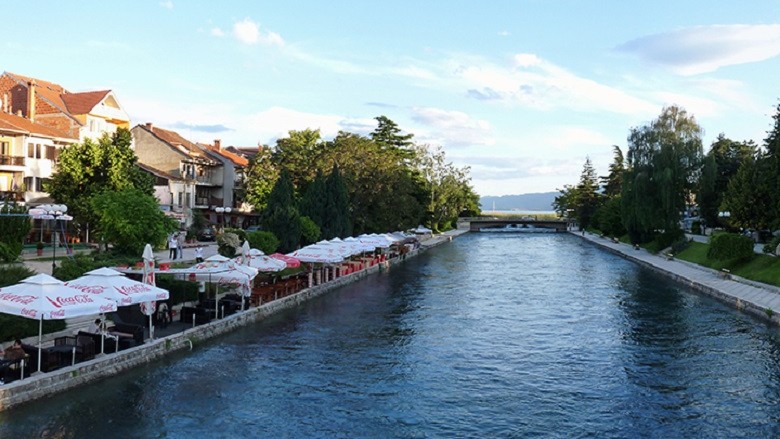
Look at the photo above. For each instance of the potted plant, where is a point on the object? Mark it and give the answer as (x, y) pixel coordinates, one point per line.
(39, 247)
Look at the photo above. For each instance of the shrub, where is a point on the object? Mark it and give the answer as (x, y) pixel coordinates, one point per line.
(7, 254)
(264, 241)
(696, 228)
(730, 246)
(680, 245)
(180, 290)
(771, 246)
(241, 233)
(76, 266)
(666, 239)
(228, 244)
(310, 231)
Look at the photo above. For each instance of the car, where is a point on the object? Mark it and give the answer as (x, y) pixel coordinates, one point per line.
(254, 228)
(207, 234)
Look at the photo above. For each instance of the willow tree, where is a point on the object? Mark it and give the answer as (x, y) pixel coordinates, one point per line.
(663, 165)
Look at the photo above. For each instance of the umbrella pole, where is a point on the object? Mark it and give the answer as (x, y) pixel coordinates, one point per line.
(151, 328)
(40, 338)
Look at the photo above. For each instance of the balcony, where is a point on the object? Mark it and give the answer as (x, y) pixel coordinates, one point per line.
(9, 160)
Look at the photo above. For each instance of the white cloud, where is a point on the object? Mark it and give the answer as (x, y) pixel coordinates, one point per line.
(504, 33)
(168, 4)
(534, 82)
(276, 122)
(452, 128)
(217, 32)
(248, 32)
(703, 49)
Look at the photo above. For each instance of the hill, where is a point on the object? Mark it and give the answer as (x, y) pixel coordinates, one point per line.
(523, 202)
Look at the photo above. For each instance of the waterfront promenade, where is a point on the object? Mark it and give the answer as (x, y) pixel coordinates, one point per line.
(760, 300)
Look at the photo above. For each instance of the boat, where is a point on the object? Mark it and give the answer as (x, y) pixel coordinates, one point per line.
(518, 228)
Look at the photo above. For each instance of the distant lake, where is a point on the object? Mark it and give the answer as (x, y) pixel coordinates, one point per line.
(518, 212)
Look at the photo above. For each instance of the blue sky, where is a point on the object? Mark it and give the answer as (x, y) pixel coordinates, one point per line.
(520, 91)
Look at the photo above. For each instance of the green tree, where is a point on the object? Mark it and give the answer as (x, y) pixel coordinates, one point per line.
(336, 221)
(14, 227)
(259, 178)
(612, 183)
(263, 241)
(663, 167)
(314, 203)
(749, 198)
(720, 166)
(587, 199)
(87, 168)
(310, 232)
(388, 136)
(563, 204)
(281, 217)
(129, 219)
(298, 154)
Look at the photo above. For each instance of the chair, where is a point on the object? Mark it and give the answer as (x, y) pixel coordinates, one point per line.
(49, 360)
(109, 344)
(84, 345)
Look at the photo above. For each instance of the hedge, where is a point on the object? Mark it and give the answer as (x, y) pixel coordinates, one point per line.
(730, 247)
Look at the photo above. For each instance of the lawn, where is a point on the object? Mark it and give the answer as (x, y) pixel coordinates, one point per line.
(761, 268)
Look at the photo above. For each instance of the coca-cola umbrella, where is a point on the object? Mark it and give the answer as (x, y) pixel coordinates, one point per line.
(221, 270)
(257, 259)
(113, 285)
(42, 297)
(289, 260)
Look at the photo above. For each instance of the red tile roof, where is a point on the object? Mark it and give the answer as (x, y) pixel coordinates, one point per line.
(173, 139)
(21, 124)
(83, 103)
(235, 158)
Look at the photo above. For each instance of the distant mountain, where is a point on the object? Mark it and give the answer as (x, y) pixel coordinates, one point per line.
(523, 202)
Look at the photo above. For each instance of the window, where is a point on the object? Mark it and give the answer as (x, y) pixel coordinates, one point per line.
(31, 150)
(51, 152)
(180, 199)
(188, 199)
(5, 148)
(29, 183)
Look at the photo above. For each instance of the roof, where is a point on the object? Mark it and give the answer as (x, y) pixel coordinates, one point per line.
(157, 172)
(176, 141)
(20, 124)
(83, 103)
(243, 151)
(235, 158)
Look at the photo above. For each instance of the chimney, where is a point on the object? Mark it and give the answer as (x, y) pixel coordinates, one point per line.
(149, 126)
(5, 102)
(217, 144)
(31, 100)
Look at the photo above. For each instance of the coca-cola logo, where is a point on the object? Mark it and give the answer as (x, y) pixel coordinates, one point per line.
(78, 299)
(60, 313)
(27, 312)
(92, 289)
(161, 296)
(24, 299)
(106, 308)
(133, 289)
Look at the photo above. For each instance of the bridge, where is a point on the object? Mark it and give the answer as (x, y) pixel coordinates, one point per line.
(476, 223)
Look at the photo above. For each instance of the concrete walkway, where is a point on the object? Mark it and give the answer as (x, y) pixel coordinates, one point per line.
(751, 296)
(40, 264)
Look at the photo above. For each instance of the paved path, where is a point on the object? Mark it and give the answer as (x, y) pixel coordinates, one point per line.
(762, 296)
(30, 258)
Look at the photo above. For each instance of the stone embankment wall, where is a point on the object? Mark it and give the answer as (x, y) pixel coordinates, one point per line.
(104, 366)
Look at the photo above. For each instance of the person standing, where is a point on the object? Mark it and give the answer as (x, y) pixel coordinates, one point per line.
(180, 244)
(199, 254)
(172, 245)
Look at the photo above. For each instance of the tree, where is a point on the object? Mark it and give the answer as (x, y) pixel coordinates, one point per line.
(336, 221)
(87, 168)
(129, 219)
(720, 166)
(14, 227)
(388, 136)
(314, 203)
(260, 177)
(281, 217)
(664, 163)
(586, 199)
(310, 232)
(613, 182)
(298, 154)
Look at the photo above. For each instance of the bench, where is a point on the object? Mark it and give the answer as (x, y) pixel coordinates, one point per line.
(726, 273)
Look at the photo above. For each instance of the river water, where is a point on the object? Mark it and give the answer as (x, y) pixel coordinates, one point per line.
(488, 336)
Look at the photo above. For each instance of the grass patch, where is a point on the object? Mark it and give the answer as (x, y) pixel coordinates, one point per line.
(760, 268)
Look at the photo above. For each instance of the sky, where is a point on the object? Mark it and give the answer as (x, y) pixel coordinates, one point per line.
(520, 91)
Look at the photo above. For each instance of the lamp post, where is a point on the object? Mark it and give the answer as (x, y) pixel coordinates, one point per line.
(223, 211)
(54, 212)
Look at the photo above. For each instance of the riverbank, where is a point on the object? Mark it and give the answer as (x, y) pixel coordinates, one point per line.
(757, 299)
(41, 385)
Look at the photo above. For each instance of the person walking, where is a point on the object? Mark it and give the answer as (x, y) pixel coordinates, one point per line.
(172, 245)
(199, 254)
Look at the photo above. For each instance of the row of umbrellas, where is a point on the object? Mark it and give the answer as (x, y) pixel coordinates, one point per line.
(336, 250)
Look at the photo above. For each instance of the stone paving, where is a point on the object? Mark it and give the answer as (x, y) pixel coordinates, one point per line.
(742, 293)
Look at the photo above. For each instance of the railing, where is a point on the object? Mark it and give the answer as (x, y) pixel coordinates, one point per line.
(11, 196)
(8, 160)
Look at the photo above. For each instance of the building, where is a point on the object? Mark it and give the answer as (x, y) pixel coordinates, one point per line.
(79, 115)
(198, 177)
(28, 154)
(233, 186)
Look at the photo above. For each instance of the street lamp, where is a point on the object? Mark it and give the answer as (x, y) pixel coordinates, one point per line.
(54, 212)
(223, 211)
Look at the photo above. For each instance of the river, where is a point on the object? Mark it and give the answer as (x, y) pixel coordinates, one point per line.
(488, 336)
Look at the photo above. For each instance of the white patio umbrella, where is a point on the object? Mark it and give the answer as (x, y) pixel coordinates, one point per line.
(221, 270)
(318, 254)
(258, 260)
(148, 308)
(42, 297)
(364, 246)
(246, 252)
(113, 285)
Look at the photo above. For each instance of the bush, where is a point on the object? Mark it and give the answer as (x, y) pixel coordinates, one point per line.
(264, 241)
(771, 246)
(310, 231)
(666, 239)
(228, 244)
(180, 290)
(241, 233)
(696, 228)
(680, 245)
(7, 253)
(12, 327)
(730, 246)
(76, 266)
